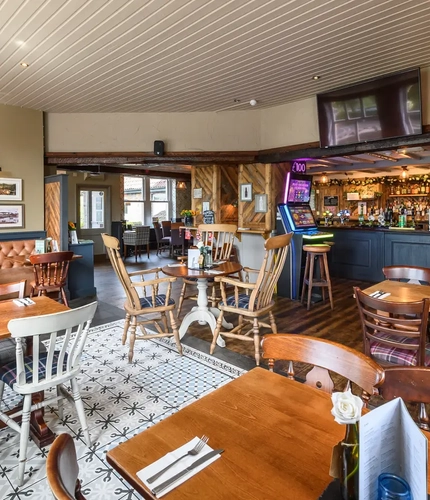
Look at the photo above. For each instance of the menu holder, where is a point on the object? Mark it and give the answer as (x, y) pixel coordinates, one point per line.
(193, 258)
(390, 441)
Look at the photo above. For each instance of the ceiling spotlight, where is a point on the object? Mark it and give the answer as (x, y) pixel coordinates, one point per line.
(24, 65)
(404, 175)
(324, 178)
(253, 102)
(316, 77)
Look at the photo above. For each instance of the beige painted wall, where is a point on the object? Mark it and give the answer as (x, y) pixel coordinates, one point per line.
(223, 131)
(21, 156)
(111, 181)
(293, 123)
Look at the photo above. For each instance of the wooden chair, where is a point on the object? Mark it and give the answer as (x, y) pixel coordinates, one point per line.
(394, 333)
(43, 370)
(325, 356)
(407, 274)
(135, 306)
(166, 227)
(412, 384)
(138, 238)
(8, 290)
(252, 301)
(220, 238)
(62, 469)
(162, 243)
(177, 238)
(50, 273)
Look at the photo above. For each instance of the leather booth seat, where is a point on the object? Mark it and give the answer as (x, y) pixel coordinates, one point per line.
(14, 265)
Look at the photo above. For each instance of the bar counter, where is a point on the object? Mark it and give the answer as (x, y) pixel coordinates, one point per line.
(360, 252)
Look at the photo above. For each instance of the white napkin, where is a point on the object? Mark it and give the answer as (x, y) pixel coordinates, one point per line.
(210, 271)
(175, 265)
(18, 303)
(383, 296)
(170, 457)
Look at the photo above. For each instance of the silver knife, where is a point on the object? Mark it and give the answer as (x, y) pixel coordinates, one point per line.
(196, 463)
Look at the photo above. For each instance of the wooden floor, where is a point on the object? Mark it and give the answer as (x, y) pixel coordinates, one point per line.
(340, 325)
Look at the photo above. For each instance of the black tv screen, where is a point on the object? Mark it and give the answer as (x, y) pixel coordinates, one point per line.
(372, 110)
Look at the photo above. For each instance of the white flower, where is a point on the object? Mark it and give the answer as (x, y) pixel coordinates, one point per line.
(200, 244)
(346, 407)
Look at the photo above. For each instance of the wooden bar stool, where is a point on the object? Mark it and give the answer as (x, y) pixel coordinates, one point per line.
(316, 252)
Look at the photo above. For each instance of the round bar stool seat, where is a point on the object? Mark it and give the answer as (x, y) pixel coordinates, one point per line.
(319, 253)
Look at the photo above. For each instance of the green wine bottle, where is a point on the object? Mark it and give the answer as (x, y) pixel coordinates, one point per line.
(349, 464)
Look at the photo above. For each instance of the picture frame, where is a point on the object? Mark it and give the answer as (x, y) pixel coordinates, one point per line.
(246, 192)
(10, 189)
(11, 216)
(260, 203)
(197, 193)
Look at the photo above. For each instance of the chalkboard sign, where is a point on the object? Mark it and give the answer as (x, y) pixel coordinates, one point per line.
(331, 201)
(208, 217)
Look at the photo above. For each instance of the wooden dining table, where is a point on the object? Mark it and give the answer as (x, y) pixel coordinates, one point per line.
(39, 431)
(400, 291)
(277, 435)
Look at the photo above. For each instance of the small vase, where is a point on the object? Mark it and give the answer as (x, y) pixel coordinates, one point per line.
(188, 220)
(201, 261)
(349, 463)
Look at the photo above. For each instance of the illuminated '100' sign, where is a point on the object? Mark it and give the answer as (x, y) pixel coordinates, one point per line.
(299, 167)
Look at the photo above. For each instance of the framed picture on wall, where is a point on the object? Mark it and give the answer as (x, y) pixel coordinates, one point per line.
(246, 192)
(11, 216)
(197, 193)
(10, 189)
(261, 203)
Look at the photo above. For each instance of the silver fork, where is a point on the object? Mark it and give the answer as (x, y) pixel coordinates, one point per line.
(195, 451)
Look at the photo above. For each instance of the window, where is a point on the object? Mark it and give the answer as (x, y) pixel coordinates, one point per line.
(134, 197)
(158, 189)
(147, 199)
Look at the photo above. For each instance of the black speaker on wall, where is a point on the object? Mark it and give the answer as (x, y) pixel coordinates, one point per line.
(159, 148)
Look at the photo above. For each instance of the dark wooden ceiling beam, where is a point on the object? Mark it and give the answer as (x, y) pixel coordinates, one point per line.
(112, 169)
(121, 158)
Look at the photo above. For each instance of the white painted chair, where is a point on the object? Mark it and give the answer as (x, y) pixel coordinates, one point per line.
(61, 363)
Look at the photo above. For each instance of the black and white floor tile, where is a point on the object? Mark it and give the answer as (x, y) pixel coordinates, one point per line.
(121, 400)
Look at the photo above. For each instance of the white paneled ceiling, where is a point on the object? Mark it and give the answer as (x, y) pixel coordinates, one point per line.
(199, 55)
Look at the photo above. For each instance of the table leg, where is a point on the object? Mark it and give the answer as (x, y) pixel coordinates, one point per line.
(39, 431)
(201, 313)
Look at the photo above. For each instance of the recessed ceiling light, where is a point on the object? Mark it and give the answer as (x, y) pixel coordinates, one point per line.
(316, 77)
(24, 65)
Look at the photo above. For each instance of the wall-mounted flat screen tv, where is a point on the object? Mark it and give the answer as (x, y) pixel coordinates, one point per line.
(382, 108)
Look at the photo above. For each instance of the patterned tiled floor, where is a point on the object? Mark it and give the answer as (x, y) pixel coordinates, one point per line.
(121, 400)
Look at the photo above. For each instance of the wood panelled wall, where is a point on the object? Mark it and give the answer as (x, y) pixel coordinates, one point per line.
(220, 186)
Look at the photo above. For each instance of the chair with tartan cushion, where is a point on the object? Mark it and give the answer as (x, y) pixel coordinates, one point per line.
(253, 301)
(137, 239)
(152, 303)
(219, 238)
(394, 333)
(61, 363)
